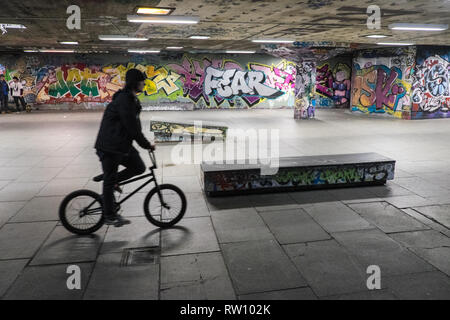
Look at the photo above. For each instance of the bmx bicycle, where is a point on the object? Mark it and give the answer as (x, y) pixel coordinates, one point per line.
(81, 212)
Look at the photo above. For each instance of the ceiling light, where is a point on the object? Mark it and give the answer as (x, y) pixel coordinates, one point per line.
(168, 19)
(120, 38)
(160, 11)
(69, 42)
(376, 36)
(418, 27)
(13, 26)
(394, 44)
(174, 48)
(239, 51)
(30, 50)
(199, 37)
(143, 51)
(57, 50)
(273, 41)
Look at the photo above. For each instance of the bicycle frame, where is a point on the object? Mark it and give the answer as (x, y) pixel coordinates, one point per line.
(152, 179)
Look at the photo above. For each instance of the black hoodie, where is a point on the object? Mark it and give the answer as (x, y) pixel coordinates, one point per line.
(121, 125)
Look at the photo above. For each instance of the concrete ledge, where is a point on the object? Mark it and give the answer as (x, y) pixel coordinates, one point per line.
(165, 131)
(298, 173)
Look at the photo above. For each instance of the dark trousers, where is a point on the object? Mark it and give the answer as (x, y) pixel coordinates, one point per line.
(22, 102)
(4, 103)
(110, 163)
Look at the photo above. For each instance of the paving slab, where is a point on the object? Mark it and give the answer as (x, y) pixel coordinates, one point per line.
(35, 174)
(336, 217)
(62, 187)
(376, 294)
(196, 205)
(251, 265)
(239, 225)
(293, 226)
(22, 240)
(111, 281)
(420, 286)
(228, 203)
(139, 233)
(9, 271)
(65, 247)
(39, 209)
(195, 276)
(348, 194)
(48, 283)
(387, 217)
(328, 268)
(185, 183)
(373, 247)
(134, 206)
(190, 235)
(407, 201)
(427, 239)
(421, 187)
(315, 196)
(20, 191)
(9, 209)
(11, 173)
(289, 294)
(54, 162)
(425, 220)
(440, 214)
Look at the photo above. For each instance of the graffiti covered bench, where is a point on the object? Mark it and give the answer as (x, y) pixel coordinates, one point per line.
(298, 173)
(165, 131)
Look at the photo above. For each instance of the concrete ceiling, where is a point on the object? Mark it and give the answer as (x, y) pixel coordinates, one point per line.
(231, 24)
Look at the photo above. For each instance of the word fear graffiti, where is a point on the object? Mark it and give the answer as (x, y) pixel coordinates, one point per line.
(378, 89)
(193, 77)
(431, 86)
(232, 82)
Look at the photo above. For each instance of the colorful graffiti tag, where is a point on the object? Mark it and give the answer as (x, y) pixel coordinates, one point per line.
(202, 82)
(304, 91)
(333, 85)
(379, 89)
(431, 88)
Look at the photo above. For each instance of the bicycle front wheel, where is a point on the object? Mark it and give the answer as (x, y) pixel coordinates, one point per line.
(81, 212)
(166, 207)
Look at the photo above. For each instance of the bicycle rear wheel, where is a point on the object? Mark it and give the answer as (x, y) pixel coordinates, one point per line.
(167, 210)
(81, 212)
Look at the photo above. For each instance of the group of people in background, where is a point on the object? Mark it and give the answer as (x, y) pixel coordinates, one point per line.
(13, 88)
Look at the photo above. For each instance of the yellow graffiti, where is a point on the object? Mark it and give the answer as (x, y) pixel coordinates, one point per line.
(160, 79)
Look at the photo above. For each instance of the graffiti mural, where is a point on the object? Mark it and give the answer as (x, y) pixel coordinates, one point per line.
(430, 93)
(176, 131)
(304, 91)
(333, 84)
(379, 89)
(203, 82)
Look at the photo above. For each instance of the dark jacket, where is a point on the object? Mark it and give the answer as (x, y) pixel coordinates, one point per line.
(4, 88)
(121, 125)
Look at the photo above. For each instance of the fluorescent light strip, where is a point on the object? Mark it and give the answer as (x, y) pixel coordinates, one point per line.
(13, 26)
(160, 11)
(30, 50)
(168, 19)
(273, 41)
(142, 51)
(239, 51)
(418, 27)
(376, 36)
(174, 48)
(56, 50)
(120, 38)
(69, 42)
(199, 37)
(394, 44)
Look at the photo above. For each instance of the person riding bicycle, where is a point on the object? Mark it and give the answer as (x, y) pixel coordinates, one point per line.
(119, 127)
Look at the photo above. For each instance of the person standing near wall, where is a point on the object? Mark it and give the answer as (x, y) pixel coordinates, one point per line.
(4, 91)
(17, 94)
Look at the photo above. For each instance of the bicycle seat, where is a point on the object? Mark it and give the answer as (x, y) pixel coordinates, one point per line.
(98, 178)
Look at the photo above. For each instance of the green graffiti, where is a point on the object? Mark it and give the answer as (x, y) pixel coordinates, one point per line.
(59, 88)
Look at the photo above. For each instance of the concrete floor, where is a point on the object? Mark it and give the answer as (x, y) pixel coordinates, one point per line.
(299, 245)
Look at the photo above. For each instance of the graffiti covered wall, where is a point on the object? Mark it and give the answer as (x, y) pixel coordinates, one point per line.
(430, 93)
(304, 90)
(181, 81)
(381, 81)
(333, 78)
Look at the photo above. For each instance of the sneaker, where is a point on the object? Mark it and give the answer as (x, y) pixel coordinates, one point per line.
(116, 220)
